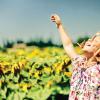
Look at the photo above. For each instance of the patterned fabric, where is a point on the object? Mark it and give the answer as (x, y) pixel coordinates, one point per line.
(85, 82)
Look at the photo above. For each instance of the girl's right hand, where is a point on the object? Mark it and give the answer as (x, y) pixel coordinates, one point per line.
(55, 18)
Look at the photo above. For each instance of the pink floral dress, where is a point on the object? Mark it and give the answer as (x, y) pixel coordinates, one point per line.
(85, 82)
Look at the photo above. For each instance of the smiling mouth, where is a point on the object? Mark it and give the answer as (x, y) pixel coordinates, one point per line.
(88, 45)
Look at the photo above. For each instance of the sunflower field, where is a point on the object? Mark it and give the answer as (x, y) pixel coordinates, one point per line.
(34, 73)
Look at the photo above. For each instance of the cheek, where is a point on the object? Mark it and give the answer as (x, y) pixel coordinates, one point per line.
(98, 45)
(88, 48)
(94, 48)
(96, 42)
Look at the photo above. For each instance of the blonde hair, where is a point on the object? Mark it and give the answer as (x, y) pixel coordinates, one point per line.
(96, 56)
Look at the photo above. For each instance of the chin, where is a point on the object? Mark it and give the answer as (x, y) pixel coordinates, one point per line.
(87, 50)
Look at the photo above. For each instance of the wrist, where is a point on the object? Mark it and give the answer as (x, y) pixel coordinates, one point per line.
(59, 25)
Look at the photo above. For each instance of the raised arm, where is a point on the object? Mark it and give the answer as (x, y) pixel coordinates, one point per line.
(67, 43)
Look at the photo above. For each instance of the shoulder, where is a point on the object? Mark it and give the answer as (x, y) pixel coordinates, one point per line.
(79, 58)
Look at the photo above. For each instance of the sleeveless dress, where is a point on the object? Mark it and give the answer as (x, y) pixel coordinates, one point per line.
(85, 82)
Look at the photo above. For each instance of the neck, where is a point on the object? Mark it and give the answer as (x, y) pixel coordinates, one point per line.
(88, 55)
(90, 59)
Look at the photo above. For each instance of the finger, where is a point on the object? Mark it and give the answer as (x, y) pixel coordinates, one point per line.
(52, 18)
(53, 21)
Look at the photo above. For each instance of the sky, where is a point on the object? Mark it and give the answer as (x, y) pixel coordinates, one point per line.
(30, 19)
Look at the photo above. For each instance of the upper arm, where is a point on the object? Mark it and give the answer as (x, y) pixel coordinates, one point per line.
(70, 50)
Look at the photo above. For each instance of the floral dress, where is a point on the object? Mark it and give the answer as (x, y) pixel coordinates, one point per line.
(85, 82)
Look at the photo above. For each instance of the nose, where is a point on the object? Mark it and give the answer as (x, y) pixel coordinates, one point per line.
(88, 43)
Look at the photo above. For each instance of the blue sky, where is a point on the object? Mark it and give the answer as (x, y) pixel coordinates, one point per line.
(26, 19)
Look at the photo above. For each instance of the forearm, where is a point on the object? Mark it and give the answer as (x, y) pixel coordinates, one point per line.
(67, 43)
(64, 36)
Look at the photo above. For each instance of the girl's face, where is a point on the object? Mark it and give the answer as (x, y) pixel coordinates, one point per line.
(92, 44)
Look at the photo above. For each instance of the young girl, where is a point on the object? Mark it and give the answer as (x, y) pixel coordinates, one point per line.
(85, 80)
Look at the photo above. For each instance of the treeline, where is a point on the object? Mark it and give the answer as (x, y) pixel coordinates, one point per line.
(40, 43)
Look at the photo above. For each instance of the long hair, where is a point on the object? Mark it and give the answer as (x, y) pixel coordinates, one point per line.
(97, 55)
